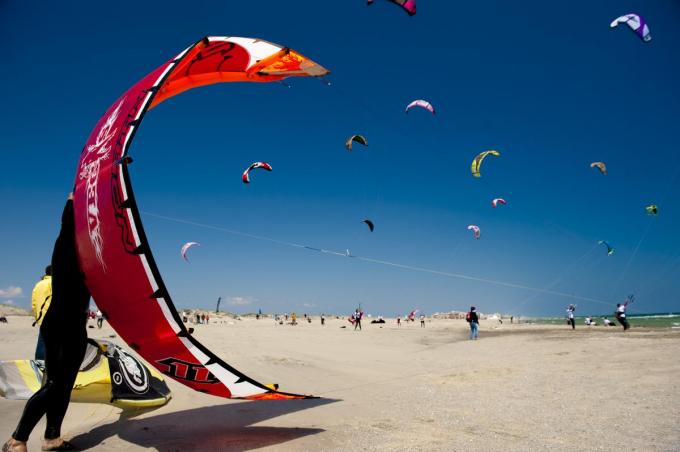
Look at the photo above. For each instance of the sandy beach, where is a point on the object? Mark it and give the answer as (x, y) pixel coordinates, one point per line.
(519, 387)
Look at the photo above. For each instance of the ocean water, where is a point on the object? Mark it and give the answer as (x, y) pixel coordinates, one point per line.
(653, 320)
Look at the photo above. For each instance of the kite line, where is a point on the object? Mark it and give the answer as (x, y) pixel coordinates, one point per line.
(347, 254)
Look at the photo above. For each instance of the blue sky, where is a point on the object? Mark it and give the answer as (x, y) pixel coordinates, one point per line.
(549, 85)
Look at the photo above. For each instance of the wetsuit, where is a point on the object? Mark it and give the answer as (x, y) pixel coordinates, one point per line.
(64, 329)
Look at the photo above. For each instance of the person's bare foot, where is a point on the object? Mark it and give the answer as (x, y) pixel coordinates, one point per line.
(57, 444)
(12, 445)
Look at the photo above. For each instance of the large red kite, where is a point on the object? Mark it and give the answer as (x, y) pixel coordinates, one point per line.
(119, 268)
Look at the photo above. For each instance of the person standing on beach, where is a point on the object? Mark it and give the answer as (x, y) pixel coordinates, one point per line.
(356, 319)
(40, 302)
(621, 312)
(570, 316)
(422, 321)
(100, 318)
(64, 329)
(473, 318)
(323, 320)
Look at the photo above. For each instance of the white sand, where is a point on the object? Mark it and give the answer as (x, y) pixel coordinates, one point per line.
(520, 387)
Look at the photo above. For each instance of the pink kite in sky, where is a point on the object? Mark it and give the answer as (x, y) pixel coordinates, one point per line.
(422, 104)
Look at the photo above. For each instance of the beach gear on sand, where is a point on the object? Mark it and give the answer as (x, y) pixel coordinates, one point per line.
(108, 374)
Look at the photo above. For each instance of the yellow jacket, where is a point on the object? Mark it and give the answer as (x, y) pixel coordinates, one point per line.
(41, 298)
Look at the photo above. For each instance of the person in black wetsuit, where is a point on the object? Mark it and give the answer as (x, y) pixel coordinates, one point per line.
(64, 329)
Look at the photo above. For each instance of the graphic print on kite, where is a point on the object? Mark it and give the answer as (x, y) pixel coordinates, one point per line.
(114, 252)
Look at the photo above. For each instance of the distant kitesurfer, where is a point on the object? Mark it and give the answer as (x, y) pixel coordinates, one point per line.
(570, 316)
(64, 329)
(356, 319)
(621, 313)
(40, 302)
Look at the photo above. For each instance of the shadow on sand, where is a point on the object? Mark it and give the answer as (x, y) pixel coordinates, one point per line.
(219, 427)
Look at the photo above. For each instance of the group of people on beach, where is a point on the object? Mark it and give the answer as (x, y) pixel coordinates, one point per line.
(60, 303)
(619, 314)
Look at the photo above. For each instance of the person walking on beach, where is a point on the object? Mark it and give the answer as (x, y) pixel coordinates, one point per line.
(570, 316)
(323, 320)
(40, 302)
(621, 312)
(64, 329)
(473, 319)
(100, 318)
(422, 321)
(399, 321)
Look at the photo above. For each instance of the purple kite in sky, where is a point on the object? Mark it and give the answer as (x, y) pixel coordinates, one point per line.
(636, 23)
